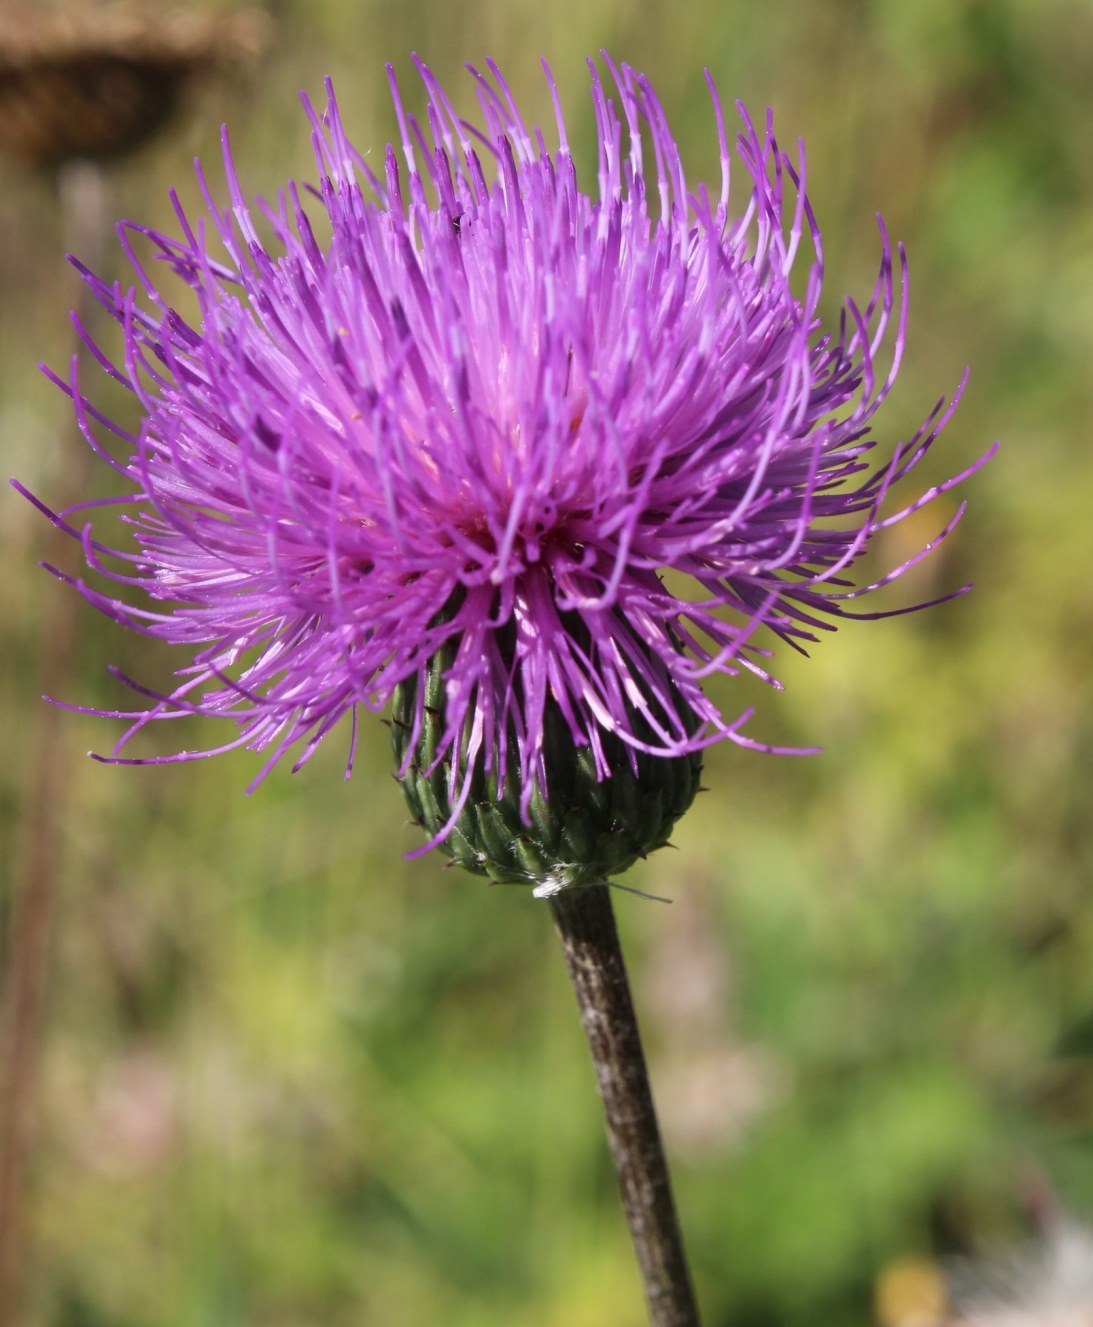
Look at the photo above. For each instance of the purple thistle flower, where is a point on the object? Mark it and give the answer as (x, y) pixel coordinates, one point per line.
(485, 411)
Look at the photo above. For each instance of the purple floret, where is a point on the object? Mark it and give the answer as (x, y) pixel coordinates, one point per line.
(590, 440)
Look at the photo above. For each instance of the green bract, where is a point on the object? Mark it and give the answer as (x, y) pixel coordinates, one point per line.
(580, 831)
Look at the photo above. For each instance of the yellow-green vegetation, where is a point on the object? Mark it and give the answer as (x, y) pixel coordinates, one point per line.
(287, 1078)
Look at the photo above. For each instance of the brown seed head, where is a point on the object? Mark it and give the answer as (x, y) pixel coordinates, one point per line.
(96, 83)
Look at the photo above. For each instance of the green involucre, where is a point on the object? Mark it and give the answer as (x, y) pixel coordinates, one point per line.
(579, 831)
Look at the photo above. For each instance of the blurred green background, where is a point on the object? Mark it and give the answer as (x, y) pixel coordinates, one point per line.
(284, 1077)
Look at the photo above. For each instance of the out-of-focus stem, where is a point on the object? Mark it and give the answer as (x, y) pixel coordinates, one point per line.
(586, 926)
(82, 192)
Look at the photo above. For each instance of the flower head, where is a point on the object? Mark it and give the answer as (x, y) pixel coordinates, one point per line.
(579, 443)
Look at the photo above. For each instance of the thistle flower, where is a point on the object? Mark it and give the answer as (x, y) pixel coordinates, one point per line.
(534, 460)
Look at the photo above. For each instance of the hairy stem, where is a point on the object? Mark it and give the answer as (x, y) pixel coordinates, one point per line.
(586, 926)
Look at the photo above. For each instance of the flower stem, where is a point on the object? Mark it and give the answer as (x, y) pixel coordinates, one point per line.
(586, 926)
